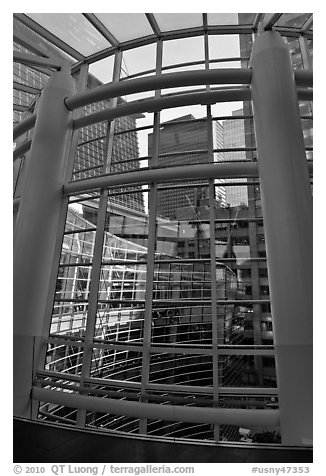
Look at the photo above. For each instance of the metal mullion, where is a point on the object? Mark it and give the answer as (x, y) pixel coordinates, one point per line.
(154, 25)
(214, 300)
(19, 108)
(44, 33)
(182, 65)
(97, 260)
(92, 299)
(229, 60)
(305, 54)
(25, 88)
(152, 200)
(82, 85)
(80, 171)
(306, 26)
(92, 18)
(230, 118)
(134, 129)
(137, 75)
(113, 104)
(211, 198)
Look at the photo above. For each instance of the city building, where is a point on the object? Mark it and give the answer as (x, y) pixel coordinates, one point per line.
(147, 309)
(186, 140)
(91, 151)
(234, 138)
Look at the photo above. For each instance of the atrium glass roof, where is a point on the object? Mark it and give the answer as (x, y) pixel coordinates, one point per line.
(94, 36)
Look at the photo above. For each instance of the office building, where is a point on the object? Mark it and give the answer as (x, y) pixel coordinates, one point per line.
(234, 138)
(186, 140)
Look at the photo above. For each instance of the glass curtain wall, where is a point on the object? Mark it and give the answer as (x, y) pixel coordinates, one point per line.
(162, 291)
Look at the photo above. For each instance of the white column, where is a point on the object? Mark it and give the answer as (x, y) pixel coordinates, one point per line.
(287, 211)
(36, 231)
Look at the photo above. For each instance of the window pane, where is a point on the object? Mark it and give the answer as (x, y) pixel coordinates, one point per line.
(73, 29)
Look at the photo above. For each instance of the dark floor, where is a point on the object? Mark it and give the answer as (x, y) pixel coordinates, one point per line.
(41, 443)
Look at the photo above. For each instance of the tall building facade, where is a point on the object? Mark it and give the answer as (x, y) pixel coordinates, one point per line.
(92, 152)
(184, 141)
(234, 138)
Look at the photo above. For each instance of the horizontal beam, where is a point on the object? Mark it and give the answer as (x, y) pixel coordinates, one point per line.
(24, 126)
(20, 108)
(221, 416)
(25, 88)
(160, 81)
(305, 94)
(33, 60)
(186, 172)
(303, 77)
(16, 204)
(157, 104)
(200, 171)
(22, 149)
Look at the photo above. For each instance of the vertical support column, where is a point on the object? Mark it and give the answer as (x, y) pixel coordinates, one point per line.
(98, 250)
(151, 245)
(287, 207)
(211, 194)
(36, 231)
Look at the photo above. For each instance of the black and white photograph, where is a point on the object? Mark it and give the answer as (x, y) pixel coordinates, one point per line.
(162, 242)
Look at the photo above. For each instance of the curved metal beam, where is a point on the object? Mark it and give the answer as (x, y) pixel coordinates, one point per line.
(139, 177)
(24, 126)
(200, 171)
(305, 94)
(157, 104)
(22, 148)
(159, 81)
(222, 416)
(303, 77)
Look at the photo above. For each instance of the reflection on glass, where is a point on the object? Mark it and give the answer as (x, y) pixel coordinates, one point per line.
(64, 358)
(126, 26)
(119, 320)
(182, 369)
(295, 51)
(126, 225)
(73, 29)
(175, 21)
(116, 364)
(293, 20)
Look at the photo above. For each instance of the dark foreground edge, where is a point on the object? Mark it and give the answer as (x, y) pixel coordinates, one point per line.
(43, 443)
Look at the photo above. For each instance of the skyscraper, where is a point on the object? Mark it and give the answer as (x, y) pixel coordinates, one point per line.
(234, 137)
(92, 147)
(184, 141)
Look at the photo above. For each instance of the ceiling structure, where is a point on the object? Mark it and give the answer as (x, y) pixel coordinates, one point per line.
(89, 37)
